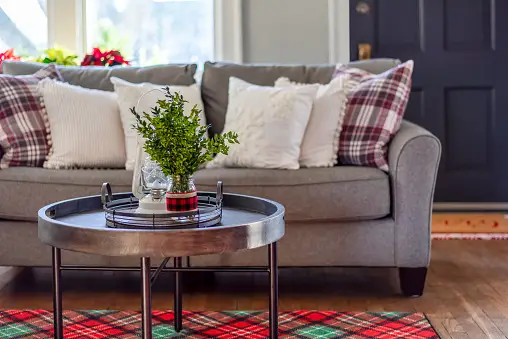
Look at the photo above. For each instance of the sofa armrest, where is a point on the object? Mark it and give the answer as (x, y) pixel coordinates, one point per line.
(413, 158)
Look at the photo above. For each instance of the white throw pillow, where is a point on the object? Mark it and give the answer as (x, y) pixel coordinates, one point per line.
(85, 127)
(321, 140)
(128, 96)
(270, 122)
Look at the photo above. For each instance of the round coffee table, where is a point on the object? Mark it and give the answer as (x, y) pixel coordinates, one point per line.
(79, 225)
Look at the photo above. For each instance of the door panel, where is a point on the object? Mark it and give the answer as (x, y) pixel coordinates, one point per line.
(475, 34)
(407, 39)
(460, 49)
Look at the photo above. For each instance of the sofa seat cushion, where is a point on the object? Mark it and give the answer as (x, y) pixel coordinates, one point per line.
(24, 190)
(310, 194)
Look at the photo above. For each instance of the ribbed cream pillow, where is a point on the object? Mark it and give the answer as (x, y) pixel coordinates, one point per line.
(85, 127)
(144, 97)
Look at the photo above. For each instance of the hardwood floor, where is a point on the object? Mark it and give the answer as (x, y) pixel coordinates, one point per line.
(466, 294)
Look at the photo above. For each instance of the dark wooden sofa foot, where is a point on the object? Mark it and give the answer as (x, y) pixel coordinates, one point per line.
(412, 280)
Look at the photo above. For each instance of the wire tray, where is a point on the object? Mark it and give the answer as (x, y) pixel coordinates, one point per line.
(121, 213)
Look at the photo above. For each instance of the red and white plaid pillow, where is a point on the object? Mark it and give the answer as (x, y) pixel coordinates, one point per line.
(374, 112)
(23, 119)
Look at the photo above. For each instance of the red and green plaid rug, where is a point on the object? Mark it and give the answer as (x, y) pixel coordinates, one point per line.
(38, 324)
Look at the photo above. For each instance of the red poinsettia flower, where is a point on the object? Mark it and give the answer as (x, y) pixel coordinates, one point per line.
(97, 54)
(87, 60)
(106, 58)
(8, 55)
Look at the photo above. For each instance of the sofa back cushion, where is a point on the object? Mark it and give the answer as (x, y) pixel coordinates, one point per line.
(98, 77)
(215, 81)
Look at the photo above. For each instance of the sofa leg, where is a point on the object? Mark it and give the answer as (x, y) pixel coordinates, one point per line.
(412, 280)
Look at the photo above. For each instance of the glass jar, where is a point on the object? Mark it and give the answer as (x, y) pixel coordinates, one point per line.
(181, 195)
(152, 176)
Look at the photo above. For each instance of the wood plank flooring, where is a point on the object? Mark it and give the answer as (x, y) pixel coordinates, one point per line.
(466, 294)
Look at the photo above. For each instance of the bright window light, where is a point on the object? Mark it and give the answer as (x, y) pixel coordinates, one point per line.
(153, 31)
(23, 26)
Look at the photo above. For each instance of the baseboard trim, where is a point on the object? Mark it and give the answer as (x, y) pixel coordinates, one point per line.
(470, 207)
(469, 236)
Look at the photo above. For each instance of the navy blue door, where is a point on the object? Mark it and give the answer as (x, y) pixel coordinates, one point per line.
(460, 49)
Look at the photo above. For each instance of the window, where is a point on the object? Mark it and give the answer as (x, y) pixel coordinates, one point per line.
(153, 31)
(23, 26)
(145, 31)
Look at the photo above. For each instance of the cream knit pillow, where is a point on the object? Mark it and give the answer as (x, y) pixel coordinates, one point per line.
(270, 122)
(85, 127)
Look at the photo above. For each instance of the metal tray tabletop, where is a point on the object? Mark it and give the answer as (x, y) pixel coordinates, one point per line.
(80, 225)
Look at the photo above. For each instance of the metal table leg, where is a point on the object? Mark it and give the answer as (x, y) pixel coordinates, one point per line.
(146, 299)
(57, 294)
(274, 291)
(177, 308)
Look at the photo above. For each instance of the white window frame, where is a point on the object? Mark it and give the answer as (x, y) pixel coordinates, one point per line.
(228, 30)
(338, 31)
(67, 20)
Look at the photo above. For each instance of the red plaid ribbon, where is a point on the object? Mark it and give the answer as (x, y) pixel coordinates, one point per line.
(182, 202)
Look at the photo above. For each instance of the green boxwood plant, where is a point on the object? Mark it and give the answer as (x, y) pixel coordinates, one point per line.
(176, 141)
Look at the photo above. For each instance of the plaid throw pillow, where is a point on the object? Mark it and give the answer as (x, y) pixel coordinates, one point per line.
(374, 112)
(23, 120)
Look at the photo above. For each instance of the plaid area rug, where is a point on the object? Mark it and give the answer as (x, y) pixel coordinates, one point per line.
(38, 324)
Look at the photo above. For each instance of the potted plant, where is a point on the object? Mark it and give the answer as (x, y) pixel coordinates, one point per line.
(178, 143)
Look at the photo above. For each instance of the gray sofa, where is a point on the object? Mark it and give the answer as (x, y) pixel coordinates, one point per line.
(340, 216)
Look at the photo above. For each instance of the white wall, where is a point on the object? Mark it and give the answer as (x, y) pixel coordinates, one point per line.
(295, 31)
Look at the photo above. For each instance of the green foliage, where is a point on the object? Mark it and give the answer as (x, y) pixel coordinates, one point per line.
(177, 142)
(58, 56)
